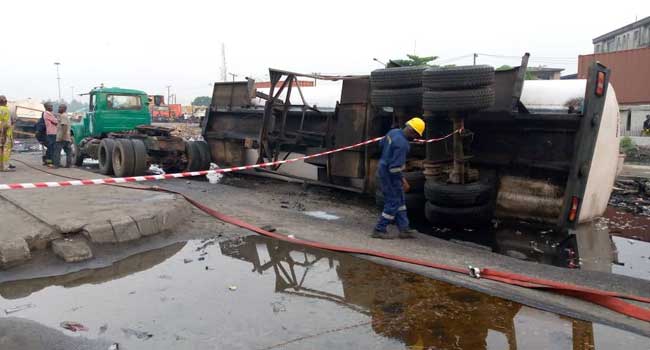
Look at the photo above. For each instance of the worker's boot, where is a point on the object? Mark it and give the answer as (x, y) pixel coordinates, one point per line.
(407, 233)
(380, 234)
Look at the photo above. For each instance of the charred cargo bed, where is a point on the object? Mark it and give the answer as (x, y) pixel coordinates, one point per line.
(514, 158)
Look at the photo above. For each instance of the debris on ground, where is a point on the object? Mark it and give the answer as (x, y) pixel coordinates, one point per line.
(114, 346)
(268, 228)
(138, 334)
(632, 195)
(187, 261)
(232, 288)
(74, 326)
(214, 178)
(18, 308)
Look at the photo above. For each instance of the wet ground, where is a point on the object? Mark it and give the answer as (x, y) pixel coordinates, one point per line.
(254, 293)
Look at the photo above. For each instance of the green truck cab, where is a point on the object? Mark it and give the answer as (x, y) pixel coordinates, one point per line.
(117, 131)
(112, 110)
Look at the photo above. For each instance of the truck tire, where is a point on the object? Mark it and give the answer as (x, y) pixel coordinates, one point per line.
(467, 217)
(458, 195)
(123, 158)
(414, 202)
(411, 97)
(204, 151)
(193, 155)
(77, 155)
(398, 77)
(458, 100)
(105, 156)
(140, 165)
(458, 78)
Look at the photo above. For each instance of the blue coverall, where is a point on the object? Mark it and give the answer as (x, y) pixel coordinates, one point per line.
(395, 147)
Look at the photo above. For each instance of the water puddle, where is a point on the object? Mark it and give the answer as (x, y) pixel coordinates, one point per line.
(255, 293)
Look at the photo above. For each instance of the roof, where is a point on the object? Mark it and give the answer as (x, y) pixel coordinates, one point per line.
(621, 30)
(543, 69)
(116, 90)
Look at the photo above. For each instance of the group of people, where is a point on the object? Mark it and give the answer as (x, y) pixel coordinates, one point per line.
(57, 136)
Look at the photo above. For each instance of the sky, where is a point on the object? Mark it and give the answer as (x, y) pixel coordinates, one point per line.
(150, 45)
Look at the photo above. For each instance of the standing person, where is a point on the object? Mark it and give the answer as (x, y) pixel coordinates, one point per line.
(395, 146)
(646, 126)
(6, 135)
(63, 138)
(50, 133)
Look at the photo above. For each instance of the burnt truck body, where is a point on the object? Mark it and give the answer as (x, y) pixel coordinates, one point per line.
(554, 164)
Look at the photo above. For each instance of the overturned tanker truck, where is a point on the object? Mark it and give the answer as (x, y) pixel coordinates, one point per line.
(539, 151)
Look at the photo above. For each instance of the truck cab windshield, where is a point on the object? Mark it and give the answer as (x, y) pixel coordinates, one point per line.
(123, 102)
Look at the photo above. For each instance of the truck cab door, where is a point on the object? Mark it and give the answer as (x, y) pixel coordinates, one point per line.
(91, 115)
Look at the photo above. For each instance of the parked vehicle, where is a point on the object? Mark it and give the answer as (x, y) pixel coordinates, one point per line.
(117, 131)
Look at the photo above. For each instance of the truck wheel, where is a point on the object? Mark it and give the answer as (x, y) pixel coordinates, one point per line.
(458, 195)
(458, 78)
(398, 77)
(458, 100)
(193, 155)
(123, 158)
(411, 97)
(468, 216)
(105, 157)
(77, 155)
(140, 158)
(414, 202)
(204, 151)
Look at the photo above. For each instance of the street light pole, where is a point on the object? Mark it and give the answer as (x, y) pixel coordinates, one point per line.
(71, 94)
(58, 78)
(168, 94)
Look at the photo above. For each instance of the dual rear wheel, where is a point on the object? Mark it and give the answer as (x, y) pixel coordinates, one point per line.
(122, 157)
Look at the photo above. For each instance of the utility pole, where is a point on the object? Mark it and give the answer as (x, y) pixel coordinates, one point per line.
(233, 76)
(475, 55)
(168, 93)
(71, 94)
(224, 70)
(58, 78)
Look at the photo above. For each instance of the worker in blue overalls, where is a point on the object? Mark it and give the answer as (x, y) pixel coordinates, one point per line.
(394, 148)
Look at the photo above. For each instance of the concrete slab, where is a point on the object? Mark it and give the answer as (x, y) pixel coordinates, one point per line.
(73, 249)
(13, 251)
(104, 214)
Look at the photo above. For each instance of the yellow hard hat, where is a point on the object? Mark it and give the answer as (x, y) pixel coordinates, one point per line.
(417, 124)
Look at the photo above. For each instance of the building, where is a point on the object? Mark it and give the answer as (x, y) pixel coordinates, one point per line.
(630, 77)
(632, 36)
(544, 73)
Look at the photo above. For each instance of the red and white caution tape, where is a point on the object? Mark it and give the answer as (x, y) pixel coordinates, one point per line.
(118, 180)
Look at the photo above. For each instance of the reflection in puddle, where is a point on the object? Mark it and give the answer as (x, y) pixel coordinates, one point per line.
(288, 296)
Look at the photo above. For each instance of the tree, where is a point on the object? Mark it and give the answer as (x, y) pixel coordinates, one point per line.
(527, 76)
(202, 101)
(413, 60)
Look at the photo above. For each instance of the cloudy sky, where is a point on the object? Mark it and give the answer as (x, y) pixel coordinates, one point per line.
(151, 44)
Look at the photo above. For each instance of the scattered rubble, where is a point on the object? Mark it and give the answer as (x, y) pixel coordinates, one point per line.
(632, 195)
(74, 326)
(72, 249)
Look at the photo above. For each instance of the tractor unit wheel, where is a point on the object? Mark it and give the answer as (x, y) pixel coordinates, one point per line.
(398, 77)
(458, 100)
(411, 97)
(458, 78)
(140, 165)
(105, 156)
(77, 155)
(123, 158)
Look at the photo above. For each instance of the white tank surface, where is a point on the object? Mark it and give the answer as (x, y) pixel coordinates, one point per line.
(552, 95)
(26, 109)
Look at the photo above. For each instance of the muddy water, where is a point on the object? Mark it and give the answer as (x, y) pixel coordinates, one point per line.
(255, 293)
